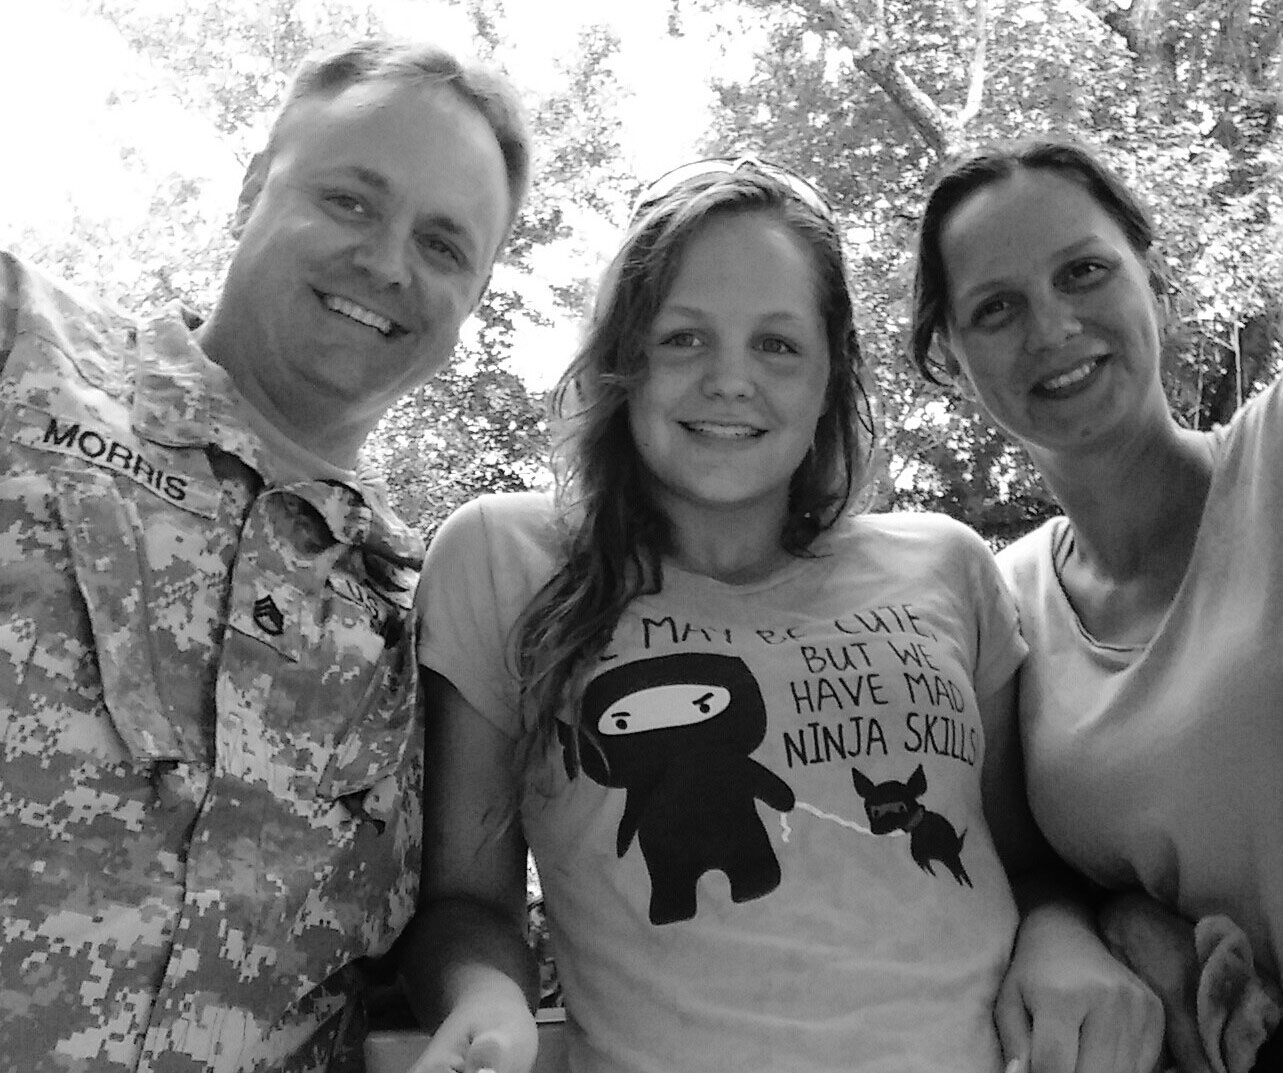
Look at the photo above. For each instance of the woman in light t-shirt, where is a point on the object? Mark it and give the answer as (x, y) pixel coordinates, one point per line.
(1151, 704)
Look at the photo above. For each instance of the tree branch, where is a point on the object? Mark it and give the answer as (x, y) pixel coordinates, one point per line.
(976, 87)
(1117, 19)
(871, 53)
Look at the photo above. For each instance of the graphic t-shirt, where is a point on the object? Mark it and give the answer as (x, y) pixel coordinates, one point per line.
(774, 855)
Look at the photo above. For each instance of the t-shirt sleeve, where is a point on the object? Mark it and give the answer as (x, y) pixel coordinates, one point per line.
(483, 566)
(1000, 649)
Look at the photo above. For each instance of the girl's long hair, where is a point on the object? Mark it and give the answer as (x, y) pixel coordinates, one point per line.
(615, 536)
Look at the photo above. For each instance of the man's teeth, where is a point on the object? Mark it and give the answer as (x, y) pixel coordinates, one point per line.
(358, 313)
(1072, 377)
(726, 432)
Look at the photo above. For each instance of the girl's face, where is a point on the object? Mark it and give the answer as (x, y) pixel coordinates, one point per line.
(1050, 314)
(737, 367)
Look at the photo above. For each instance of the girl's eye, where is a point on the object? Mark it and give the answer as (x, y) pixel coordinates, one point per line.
(682, 338)
(773, 344)
(991, 313)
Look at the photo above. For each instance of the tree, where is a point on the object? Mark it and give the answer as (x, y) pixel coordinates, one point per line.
(871, 97)
(475, 429)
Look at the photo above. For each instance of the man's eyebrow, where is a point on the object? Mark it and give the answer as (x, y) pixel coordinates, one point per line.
(379, 182)
(368, 176)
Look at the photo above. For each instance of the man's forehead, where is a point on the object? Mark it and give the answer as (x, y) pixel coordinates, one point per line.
(421, 142)
(363, 103)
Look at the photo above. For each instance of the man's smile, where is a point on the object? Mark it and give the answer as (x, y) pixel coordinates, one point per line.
(359, 313)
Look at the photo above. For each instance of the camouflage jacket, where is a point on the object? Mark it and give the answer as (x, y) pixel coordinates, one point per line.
(210, 747)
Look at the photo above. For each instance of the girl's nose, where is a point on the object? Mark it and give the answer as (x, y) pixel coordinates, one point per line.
(729, 371)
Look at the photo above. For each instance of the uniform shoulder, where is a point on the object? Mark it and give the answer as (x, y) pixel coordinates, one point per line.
(76, 323)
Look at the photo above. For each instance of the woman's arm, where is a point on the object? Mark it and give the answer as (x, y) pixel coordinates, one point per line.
(466, 968)
(1066, 1004)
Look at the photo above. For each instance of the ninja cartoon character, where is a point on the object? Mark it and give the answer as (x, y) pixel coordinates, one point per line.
(893, 806)
(675, 733)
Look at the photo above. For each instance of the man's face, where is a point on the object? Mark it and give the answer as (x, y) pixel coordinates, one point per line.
(368, 237)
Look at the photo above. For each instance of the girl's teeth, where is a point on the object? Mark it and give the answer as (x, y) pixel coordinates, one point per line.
(729, 432)
(1071, 377)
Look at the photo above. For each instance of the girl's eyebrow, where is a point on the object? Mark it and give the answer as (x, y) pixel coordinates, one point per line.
(695, 311)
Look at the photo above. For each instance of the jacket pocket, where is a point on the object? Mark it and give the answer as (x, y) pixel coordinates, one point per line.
(78, 672)
(104, 533)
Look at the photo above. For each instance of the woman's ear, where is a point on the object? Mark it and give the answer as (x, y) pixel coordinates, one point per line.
(251, 187)
(952, 368)
(948, 360)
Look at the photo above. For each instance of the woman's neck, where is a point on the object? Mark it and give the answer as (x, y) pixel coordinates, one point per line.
(1135, 507)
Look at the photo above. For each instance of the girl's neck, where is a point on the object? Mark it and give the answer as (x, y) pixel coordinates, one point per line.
(733, 548)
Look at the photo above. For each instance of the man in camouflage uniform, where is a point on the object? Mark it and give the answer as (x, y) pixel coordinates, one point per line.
(210, 747)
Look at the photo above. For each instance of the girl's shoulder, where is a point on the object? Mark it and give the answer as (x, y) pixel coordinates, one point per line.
(914, 530)
(499, 516)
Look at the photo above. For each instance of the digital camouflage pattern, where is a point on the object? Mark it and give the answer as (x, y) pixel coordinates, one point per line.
(210, 750)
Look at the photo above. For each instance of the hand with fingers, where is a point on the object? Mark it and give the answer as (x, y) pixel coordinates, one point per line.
(1068, 1006)
(481, 1038)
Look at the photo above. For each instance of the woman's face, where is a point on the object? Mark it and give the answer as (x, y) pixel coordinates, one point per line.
(737, 366)
(1050, 311)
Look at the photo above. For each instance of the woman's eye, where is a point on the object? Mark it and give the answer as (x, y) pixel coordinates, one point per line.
(682, 339)
(1085, 273)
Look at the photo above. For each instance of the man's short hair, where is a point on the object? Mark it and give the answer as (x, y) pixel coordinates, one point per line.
(415, 64)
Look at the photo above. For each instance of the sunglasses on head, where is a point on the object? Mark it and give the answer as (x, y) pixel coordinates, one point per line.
(804, 191)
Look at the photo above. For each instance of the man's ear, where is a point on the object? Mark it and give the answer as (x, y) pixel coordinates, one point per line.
(251, 187)
(482, 293)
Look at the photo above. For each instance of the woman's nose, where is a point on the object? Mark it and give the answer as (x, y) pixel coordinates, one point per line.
(1053, 321)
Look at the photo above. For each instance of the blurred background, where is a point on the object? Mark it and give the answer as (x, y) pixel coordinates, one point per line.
(129, 123)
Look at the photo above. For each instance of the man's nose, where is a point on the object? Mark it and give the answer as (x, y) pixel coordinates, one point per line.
(384, 254)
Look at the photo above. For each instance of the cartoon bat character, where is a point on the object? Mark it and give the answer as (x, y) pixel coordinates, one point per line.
(893, 806)
(676, 733)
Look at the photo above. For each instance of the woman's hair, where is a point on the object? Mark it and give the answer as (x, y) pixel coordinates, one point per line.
(985, 167)
(616, 534)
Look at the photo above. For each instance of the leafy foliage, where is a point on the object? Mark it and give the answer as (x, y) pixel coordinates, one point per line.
(867, 97)
(1183, 98)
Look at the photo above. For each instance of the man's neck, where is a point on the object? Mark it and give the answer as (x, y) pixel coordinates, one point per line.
(331, 434)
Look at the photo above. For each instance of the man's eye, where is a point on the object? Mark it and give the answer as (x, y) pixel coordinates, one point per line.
(439, 248)
(347, 203)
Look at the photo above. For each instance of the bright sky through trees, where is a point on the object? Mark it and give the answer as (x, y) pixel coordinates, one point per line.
(96, 126)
